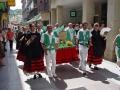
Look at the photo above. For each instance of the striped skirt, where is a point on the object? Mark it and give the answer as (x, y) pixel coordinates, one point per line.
(21, 56)
(92, 59)
(36, 65)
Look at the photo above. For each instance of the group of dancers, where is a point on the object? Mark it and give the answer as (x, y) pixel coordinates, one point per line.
(34, 44)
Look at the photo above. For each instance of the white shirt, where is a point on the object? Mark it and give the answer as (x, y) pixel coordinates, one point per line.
(84, 32)
(50, 37)
(71, 30)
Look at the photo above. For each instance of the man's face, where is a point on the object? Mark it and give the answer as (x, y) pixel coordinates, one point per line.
(70, 25)
(39, 27)
(96, 27)
(85, 26)
(49, 29)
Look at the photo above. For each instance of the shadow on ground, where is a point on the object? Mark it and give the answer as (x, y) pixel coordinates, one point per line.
(67, 72)
(102, 75)
(43, 84)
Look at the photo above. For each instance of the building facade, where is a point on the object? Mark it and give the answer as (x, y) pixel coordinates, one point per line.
(78, 11)
(32, 8)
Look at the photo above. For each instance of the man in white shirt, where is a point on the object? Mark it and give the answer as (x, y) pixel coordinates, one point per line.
(49, 42)
(83, 37)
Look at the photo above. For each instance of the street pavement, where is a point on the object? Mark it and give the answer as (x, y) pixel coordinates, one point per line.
(69, 77)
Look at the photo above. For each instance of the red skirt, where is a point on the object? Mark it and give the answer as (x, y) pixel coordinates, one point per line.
(34, 65)
(21, 56)
(67, 55)
(92, 59)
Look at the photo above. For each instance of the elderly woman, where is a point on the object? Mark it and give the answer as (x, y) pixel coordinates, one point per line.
(97, 47)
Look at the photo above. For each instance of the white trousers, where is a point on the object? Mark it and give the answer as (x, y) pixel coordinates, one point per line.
(51, 62)
(83, 53)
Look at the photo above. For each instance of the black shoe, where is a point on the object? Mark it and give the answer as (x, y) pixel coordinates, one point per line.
(96, 68)
(90, 66)
(84, 74)
(35, 77)
(39, 75)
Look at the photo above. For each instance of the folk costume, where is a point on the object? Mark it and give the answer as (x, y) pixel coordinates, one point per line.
(34, 55)
(22, 47)
(83, 39)
(117, 48)
(18, 37)
(97, 48)
(49, 41)
(70, 35)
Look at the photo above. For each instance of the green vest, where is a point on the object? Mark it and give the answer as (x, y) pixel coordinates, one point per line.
(49, 45)
(55, 32)
(84, 39)
(117, 41)
(68, 36)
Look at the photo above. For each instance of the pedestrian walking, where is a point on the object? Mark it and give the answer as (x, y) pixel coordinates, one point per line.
(10, 38)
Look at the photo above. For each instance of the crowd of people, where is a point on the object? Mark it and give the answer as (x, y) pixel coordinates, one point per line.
(35, 43)
(5, 36)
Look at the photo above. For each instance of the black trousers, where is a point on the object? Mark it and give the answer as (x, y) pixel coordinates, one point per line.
(4, 43)
(11, 44)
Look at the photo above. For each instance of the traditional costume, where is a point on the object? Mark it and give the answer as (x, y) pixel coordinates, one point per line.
(97, 48)
(34, 54)
(84, 39)
(117, 48)
(22, 47)
(49, 42)
(70, 35)
(18, 37)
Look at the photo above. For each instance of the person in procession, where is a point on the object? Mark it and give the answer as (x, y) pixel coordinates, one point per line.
(18, 35)
(34, 54)
(70, 33)
(83, 37)
(50, 44)
(97, 47)
(39, 29)
(117, 48)
(22, 46)
(56, 30)
(76, 28)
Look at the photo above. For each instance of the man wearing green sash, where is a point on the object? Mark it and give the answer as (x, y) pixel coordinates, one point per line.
(49, 44)
(70, 33)
(83, 37)
(117, 47)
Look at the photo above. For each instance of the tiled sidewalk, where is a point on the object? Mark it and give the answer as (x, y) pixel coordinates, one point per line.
(69, 77)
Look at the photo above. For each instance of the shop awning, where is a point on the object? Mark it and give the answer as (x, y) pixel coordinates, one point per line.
(23, 23)
(35, 18)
